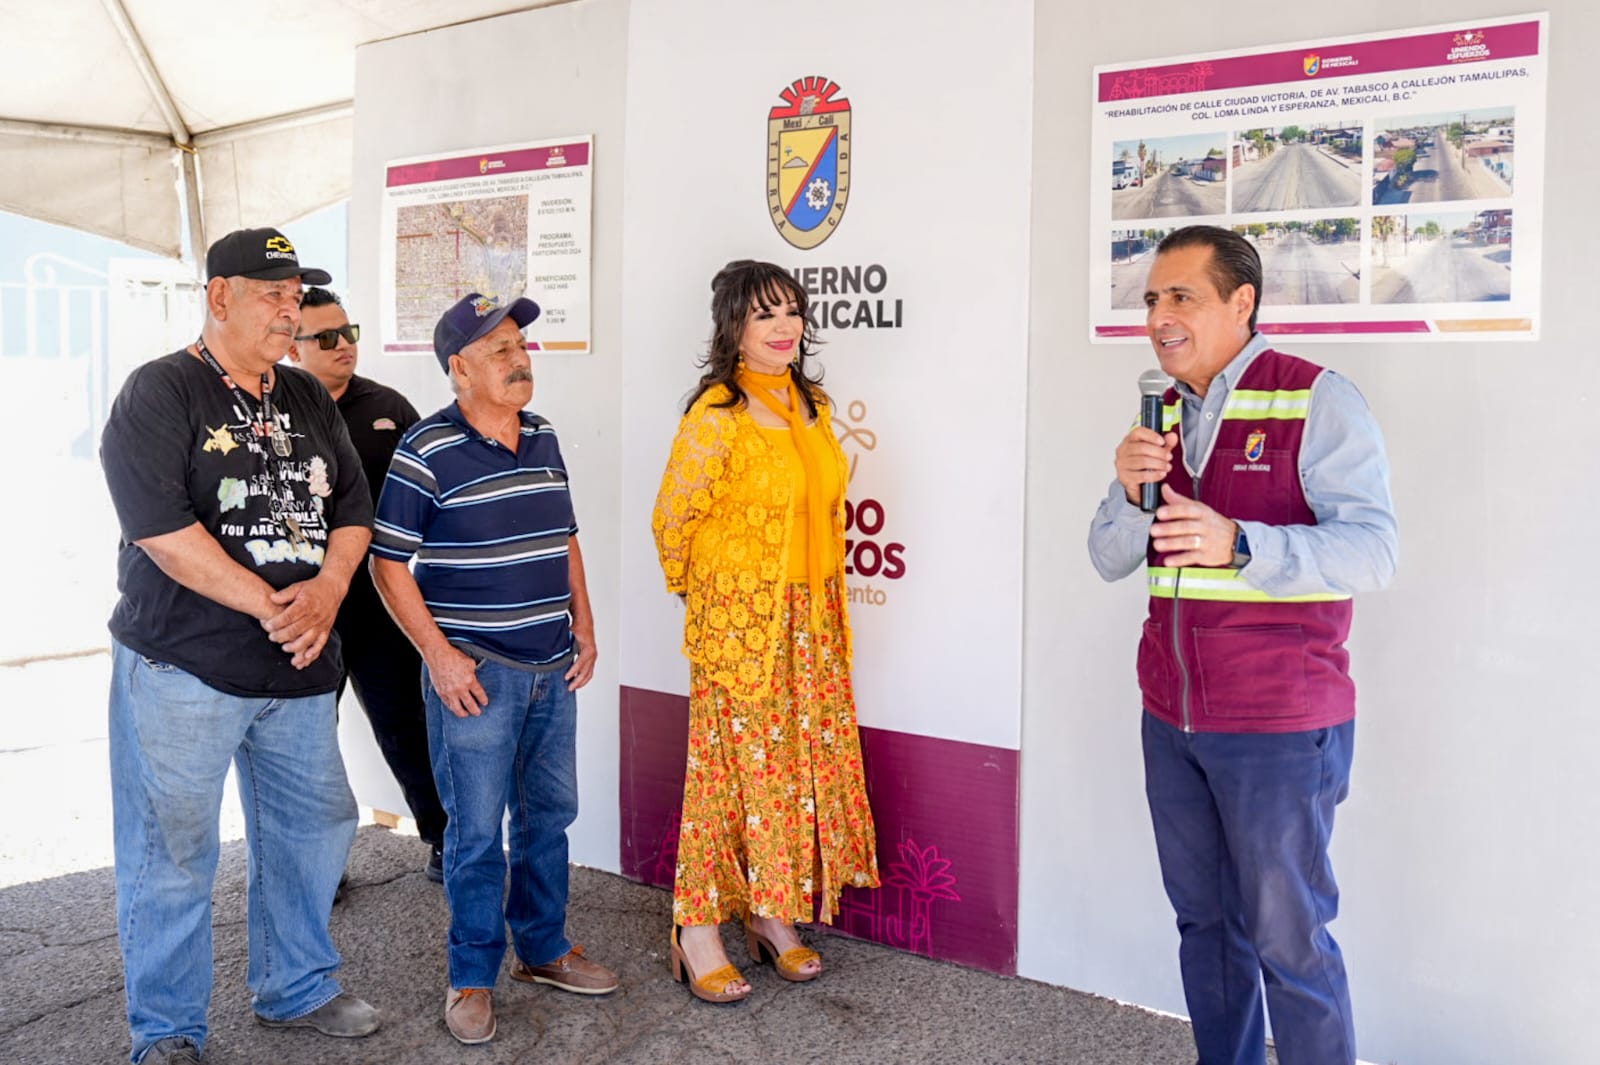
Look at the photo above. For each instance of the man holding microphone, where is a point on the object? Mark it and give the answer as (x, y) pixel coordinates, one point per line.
(1275, 510)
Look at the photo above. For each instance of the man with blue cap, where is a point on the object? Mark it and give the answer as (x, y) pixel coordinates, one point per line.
(498, 607)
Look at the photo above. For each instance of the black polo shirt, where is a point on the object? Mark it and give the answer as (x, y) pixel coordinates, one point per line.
(376, 416)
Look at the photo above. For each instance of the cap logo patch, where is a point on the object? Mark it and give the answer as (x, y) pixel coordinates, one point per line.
(279, 248)
(483, 305)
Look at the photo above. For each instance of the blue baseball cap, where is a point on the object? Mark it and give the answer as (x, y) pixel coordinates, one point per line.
(473, 317)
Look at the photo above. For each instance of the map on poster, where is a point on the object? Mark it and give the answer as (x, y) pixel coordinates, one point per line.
(503, 222)
(1392, 183)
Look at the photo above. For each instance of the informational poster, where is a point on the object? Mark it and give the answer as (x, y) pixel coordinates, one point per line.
(1392, 183)
(503, 222)
(813, 152)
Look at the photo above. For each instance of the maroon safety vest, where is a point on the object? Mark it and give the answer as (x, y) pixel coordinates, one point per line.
(1217, 655)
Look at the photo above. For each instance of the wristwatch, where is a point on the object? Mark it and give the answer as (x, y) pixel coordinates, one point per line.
(1241, 550)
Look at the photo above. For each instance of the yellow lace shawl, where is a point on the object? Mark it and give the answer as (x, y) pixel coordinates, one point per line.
(722, 522)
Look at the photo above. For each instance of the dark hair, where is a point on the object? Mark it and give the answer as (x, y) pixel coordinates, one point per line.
(740, 285)
(320, 297)
(1234, 261)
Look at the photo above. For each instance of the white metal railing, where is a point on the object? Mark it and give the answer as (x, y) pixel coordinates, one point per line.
(70, 333)
(69, 336)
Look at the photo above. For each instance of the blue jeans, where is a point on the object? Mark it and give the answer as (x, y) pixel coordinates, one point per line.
(522, 752)
(1242, 824)
(172, 738)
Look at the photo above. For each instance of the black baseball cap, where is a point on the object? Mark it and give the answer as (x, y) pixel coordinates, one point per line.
(264, 254)
(472, 318)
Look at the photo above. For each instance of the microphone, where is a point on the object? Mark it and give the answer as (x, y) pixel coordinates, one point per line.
(1153, 384)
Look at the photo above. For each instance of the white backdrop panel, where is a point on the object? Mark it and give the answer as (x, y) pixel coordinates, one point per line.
(938, 201)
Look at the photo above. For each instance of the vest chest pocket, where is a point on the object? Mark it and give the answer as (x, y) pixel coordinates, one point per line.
(1266, 490)
(1253, 671)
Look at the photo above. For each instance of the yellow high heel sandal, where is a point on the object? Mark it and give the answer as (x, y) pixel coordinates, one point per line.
(712, 987)
(789, 963)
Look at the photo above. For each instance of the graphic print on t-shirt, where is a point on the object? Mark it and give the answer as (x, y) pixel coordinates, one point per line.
(294, 489)
(219, 440)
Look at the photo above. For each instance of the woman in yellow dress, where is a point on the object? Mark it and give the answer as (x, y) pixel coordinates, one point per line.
(749, 525)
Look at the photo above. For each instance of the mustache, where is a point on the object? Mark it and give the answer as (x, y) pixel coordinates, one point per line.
(519, 375)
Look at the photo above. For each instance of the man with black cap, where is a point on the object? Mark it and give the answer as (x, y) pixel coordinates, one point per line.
(379, 661)
(499, 609)
(243, 513)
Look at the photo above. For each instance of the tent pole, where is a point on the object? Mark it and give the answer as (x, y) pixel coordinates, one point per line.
(60, 131)
(147, 70)
(294, 120)
(182, 139)
(197, 219)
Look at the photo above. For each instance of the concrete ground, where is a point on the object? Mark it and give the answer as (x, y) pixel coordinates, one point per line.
(61, 997)
(61, 989)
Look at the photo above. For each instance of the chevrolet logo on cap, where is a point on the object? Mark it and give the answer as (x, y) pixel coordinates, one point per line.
(280, 244)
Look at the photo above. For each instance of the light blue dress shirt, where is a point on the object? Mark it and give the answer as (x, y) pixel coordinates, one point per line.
(1344, 472)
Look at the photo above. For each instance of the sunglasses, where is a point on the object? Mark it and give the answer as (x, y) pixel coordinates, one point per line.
(328, 339)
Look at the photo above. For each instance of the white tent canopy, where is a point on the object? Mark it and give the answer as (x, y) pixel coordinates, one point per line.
(133, 119)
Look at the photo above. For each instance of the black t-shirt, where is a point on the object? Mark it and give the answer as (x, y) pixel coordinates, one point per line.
(176, 450)
(377, 417)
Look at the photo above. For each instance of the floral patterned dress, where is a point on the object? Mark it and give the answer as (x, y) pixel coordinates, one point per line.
(775, 816)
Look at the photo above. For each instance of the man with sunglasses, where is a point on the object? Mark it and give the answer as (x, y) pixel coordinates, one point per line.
(379, 661)
(243, 514)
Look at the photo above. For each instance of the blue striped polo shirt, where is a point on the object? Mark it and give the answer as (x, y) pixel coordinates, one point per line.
(489, 532)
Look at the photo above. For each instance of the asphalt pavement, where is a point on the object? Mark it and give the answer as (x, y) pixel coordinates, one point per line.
(1298, 271)
(1295, 177)
(61, 991)
(1441, 175)
(61, 995)
(1168, 195)
(1442, 270)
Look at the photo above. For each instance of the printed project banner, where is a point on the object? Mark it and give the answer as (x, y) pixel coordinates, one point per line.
(504, 222)
(1391, 182)
(817, 152)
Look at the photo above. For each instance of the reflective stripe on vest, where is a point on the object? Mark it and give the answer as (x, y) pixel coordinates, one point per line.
(1250, 404)
(1245, 404)
(1221, 585)
(1171, 415)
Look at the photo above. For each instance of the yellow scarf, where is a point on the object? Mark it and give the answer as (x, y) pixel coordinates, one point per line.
(813, 453)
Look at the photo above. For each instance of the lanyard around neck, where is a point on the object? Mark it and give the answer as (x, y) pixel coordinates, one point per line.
(265, 425)
(266, 428)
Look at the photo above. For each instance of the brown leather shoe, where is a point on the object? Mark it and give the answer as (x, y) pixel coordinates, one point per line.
(469, 1014)
(570, 972)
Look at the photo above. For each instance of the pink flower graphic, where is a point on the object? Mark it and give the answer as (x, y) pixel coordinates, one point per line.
(919, 878)
(922, 872)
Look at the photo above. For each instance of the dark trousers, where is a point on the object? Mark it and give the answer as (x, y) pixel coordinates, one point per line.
(1242, 825)
(386, 673)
